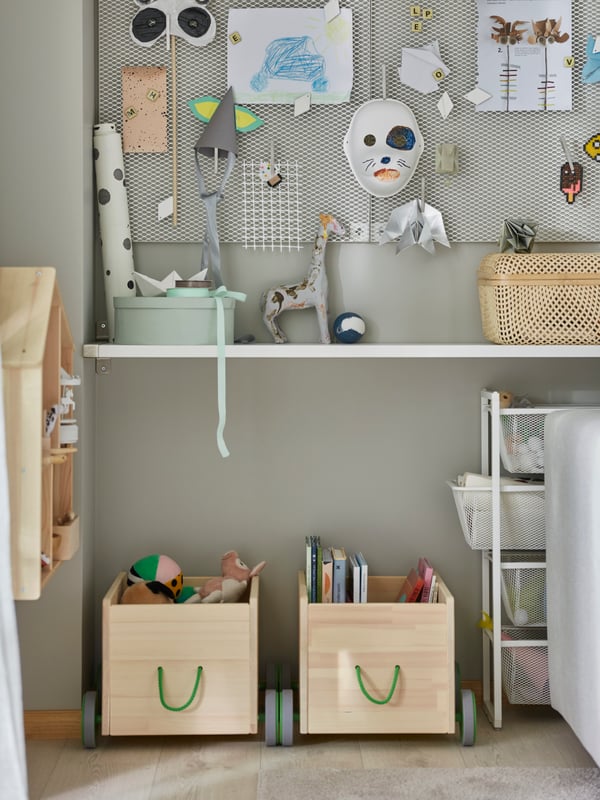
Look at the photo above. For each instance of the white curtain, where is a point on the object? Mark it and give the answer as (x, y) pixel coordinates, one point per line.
(13, 766)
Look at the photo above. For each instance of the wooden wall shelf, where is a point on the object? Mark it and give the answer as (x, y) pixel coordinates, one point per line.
(36, 343)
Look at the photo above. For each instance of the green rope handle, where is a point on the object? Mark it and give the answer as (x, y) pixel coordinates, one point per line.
(192, 696)
(368, 696)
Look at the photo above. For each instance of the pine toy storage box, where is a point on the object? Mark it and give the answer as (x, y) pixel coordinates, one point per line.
(344, 645)
(217, 643)
(540, 298)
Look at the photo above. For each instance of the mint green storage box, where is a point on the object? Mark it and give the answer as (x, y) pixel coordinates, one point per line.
(171, 320)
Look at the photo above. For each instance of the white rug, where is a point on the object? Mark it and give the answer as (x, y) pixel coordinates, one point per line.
(475, 783)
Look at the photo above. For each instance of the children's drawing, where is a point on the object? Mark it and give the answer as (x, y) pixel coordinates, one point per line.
(525, 59)
(281, 53)
(292, 58)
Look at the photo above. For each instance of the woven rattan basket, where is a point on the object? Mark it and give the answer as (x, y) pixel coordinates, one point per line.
(540, 298)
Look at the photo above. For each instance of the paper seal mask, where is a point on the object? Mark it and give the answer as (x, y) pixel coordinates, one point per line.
(383, 146)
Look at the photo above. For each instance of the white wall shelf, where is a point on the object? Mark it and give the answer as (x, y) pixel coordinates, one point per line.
(109, 351)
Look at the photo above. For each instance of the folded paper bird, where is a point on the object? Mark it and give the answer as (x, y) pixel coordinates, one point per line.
(151, 287)
(415, 222)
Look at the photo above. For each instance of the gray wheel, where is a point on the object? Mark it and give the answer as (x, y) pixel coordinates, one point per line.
(89, 719)
(271, 674)
(468, 723)
(271, 717)
(285, 676)
(286, 727)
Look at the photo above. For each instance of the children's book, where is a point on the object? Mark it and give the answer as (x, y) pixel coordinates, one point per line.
(311, 567)
(433, 594)
(426, 572)
(411, 588)
(308, 564)
(364, 576)
(339, 574)
(319, 593)
(353, 579)
(327, 580)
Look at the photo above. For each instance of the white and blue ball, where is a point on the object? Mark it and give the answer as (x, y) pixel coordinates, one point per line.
(349, 327)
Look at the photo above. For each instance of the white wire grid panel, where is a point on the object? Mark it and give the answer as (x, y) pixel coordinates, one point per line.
(509, 161)
(313, 140)
(271, 215)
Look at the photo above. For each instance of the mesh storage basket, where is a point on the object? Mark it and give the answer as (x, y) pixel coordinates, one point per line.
(525, 666)
(524, 588)
(522, 525)
(540, 298)
(522, 441)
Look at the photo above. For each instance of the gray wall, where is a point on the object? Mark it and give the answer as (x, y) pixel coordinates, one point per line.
(356, 450)
(46, 218)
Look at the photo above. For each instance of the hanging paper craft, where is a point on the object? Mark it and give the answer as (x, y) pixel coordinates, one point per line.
(383, 146)
(445, 105)
(285, 52)
(144, 92)
(524, 54)
(571, 174)
(592, 147)
(591, 69)
(219, 141)
(190, 20)
(571, 178)
(422, 68)
(415, 222)
(245, 119)
(517, 235)
(446, 159)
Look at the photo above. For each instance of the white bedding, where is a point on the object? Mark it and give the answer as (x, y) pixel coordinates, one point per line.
(572, 478)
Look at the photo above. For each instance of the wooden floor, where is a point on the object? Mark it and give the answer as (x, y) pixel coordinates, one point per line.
(226, 768)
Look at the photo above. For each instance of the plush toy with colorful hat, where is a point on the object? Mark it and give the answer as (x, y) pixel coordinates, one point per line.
(155, 579)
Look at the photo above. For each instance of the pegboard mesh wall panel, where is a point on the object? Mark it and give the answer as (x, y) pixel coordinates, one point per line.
(509, 162)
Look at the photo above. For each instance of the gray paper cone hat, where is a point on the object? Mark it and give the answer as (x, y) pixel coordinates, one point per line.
(220, 130)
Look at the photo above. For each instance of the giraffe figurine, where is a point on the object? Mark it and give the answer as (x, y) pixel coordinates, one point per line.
(310, 293)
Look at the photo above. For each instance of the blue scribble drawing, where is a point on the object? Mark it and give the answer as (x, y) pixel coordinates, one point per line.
(292, 58)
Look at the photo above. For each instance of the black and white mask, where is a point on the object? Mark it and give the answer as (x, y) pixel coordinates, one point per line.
(188, 19)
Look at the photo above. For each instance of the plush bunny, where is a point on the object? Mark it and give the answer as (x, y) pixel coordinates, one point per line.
(235, 578)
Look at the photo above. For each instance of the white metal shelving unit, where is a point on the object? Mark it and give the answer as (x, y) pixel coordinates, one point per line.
(512, 439)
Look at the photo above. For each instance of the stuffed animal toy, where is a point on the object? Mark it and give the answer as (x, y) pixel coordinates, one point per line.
(235, 578)
(162, 575)
(147, 592)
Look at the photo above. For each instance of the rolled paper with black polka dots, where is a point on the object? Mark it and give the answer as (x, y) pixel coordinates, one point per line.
(113, 213)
